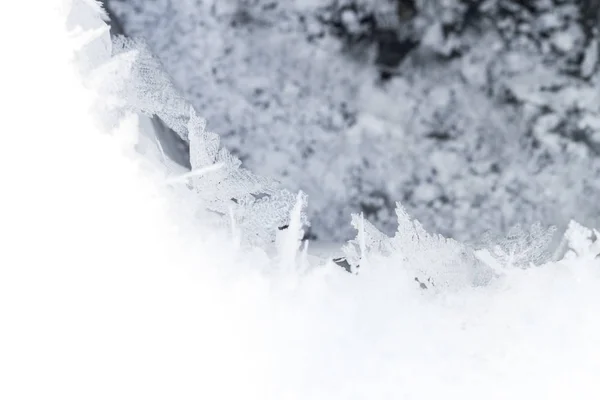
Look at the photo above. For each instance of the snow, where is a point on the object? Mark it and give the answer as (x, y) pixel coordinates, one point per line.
(590, 60)
(294, 100)
(112, 287)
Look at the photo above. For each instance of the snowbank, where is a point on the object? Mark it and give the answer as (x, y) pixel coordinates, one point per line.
(111, 288)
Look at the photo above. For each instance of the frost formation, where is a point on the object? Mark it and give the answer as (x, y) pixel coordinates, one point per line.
(436, 261)
(476, 115)
(463, 95)
(258, 205)
(442, 263)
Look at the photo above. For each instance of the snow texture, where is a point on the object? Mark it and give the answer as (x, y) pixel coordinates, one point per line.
(111, 287)
(257, 204)
(476, 115)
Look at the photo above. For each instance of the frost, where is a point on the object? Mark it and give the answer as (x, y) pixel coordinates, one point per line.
(291, 240)
(258, 205)
(520, 248)
(368, 240)
(147, 88)
(446, 263)
(104, 290)
(136, 81)
(439, 261)
(581, 242)
(302, 81)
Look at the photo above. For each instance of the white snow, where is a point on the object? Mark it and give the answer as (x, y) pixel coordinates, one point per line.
(110, 288)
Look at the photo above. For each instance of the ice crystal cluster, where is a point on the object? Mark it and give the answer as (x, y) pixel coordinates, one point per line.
(476, 115)
(109, 290)
(259, 207)
(256, 205)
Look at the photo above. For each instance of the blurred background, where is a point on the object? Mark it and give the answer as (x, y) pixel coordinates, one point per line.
(475, 115)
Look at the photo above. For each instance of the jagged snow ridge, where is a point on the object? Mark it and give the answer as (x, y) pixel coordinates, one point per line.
(106, 292)
(258, 204)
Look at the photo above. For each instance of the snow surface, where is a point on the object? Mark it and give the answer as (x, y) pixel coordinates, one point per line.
(110, 287)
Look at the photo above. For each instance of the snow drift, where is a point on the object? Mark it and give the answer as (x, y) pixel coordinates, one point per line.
(115, 284)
